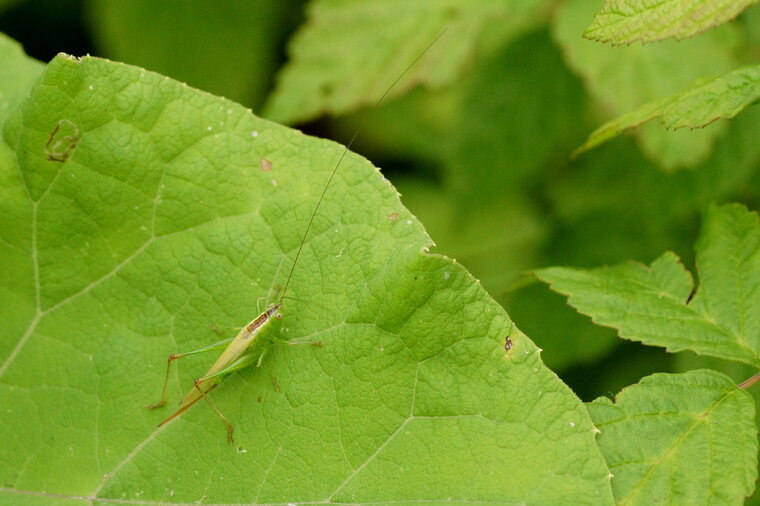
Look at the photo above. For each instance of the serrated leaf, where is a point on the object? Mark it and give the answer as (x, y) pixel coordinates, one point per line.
(655, 304)
(627, 21)
(697, 106)
(170, 211)
(349, 52)
(679, 439)
(624, 78)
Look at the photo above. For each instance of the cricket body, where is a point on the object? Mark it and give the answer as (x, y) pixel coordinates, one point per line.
(247, 348)
(238, 353)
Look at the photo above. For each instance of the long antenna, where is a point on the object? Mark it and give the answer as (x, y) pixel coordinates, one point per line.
(342, 156)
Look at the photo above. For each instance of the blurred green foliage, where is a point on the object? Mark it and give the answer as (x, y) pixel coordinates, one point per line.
(482, 156)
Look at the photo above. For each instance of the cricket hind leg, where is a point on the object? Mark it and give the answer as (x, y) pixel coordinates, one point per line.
(230, 428)
(241, 363)
(174, 356)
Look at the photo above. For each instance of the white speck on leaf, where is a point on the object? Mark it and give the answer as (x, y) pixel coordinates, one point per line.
(254, 134)
(446, 275)
(572, 424)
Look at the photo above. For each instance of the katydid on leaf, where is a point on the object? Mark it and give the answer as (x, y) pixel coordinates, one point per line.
(247, 348)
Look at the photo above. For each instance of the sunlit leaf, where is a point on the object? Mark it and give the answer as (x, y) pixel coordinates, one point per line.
(679, 439)
(170, 212)
(627, 21)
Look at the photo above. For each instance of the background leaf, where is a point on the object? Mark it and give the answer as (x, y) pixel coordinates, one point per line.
(697, 106)
(679, 438)
(627, 21)
(20, 72)
(623, 78)
(655, 304)
(191, 41)
(349, 53)
(161, 223)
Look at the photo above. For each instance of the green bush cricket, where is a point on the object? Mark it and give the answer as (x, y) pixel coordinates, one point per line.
(246, 348)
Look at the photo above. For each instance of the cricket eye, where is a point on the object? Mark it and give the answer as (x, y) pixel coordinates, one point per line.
(278, 316)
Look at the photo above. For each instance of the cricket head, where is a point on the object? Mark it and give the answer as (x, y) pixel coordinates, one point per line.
(275, 311)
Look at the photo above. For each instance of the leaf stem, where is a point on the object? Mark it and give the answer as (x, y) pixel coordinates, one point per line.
(749, 382)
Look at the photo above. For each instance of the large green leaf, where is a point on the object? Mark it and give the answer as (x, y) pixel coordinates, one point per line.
(679, 439)
(656, 304)
(624, 78)
(697, 106)
(170, 211)
(627, 21)
(349, 52)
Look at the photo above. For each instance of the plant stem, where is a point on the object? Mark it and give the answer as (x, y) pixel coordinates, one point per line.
(749, 382)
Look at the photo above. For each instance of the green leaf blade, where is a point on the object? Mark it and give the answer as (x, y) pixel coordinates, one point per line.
(681, 438)
(651, 304)
(176, 211)
(628, 21)
(728, 256)
(697, 106)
